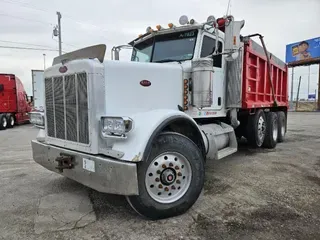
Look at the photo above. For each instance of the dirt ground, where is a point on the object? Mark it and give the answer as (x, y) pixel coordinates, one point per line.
(254, 194)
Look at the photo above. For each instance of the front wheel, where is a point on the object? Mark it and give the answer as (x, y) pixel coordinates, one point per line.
(170, 179)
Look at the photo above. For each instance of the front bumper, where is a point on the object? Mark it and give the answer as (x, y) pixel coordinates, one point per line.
(108, 175)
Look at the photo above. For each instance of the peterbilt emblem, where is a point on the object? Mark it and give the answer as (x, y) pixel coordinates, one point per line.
(63, 69)
(145, 83)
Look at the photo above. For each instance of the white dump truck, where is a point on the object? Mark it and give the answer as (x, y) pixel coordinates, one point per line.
(145, 128)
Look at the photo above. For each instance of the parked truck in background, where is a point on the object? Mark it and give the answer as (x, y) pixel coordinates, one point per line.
(145, 128)
(14, 104)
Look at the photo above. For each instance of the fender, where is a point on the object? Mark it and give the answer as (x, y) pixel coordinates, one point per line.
(148, 125)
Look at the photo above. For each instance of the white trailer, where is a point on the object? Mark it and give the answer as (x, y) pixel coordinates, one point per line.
(38, 90)
(145, 128)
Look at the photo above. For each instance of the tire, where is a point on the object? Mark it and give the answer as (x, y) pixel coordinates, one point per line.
(11, 121)
(175, 170)
(3, 122)
(271, 138)
(282, 128)
(256, 129)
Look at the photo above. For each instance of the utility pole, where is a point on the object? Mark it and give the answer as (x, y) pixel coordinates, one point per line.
(59, 28)
(297, 100)
(319, 88)
(308, 82)
(291, 95)
(44, 61)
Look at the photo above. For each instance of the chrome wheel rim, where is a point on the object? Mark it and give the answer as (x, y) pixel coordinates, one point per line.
(4, 122)
(275, 131)
(12, 121)
(168, 177)
(283, 130)
(261, 128)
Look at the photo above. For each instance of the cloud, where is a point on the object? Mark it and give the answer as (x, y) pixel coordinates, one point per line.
(118, 22)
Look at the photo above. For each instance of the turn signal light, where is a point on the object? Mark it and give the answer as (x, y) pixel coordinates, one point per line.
(159, 27)
(185, 94)
(170, 25)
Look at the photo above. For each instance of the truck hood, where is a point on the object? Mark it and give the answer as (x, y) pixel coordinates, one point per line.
(132, 87)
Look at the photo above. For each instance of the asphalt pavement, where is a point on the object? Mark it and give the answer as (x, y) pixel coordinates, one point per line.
(253, 194)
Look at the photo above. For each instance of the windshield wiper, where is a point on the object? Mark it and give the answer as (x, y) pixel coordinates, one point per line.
(168, 60)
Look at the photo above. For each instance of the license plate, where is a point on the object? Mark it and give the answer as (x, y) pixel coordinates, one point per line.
(88, 165)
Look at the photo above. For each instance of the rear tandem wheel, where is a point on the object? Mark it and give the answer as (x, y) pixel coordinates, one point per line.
(256, 129)
(3, 122)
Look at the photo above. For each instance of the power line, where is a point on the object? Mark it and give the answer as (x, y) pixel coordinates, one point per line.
(23, 43)
(25, 48)
(30, 6)
(33, 7)
(71, 45)
(67, 44)
(27, 19)
(26, 5)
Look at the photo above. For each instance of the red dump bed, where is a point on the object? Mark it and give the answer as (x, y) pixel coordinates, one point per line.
(256, 88)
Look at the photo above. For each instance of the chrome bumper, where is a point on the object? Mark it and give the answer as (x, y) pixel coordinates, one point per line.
(109, 176)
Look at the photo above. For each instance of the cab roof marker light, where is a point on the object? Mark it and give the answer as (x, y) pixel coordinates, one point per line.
(159, 27)
(192, 21)
(171, 25)
(149, 29)
(183, 20)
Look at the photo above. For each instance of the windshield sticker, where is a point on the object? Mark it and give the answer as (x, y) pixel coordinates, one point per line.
(187, 34)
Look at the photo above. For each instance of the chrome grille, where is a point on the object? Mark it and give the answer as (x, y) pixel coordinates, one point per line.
(67, 107)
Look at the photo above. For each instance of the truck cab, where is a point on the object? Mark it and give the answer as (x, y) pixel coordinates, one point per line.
(14, 105)
(145, 128)
(181, 47)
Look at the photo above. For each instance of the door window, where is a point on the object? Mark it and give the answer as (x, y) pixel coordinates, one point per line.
(208, 47)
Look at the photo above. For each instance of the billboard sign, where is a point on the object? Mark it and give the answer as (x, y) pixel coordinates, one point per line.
(303, 53)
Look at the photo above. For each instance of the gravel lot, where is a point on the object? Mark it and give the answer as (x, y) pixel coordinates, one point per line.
(254, 194)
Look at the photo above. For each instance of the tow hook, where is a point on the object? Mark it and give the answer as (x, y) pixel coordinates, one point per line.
(65, 162)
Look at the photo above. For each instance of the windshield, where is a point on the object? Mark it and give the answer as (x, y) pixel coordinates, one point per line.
(177, 46)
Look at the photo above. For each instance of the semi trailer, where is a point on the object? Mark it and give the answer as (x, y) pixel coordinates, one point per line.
(37, 90)
(145, 128)
(14, 102)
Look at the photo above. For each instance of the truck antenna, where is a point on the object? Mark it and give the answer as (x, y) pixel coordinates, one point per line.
(228, 8)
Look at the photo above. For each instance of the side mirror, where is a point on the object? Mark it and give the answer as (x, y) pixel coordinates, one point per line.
(1, 87)
(115, 51)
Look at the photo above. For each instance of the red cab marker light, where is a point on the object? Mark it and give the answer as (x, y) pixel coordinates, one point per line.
(63, 69)
(145, 83)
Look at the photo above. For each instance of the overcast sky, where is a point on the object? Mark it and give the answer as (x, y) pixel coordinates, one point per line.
(117, 22)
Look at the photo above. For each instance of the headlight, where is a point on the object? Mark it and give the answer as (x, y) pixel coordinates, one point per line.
(37, 119)
(116, 126)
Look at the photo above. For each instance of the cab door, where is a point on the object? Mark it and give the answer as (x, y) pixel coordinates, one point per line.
(208, 45)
